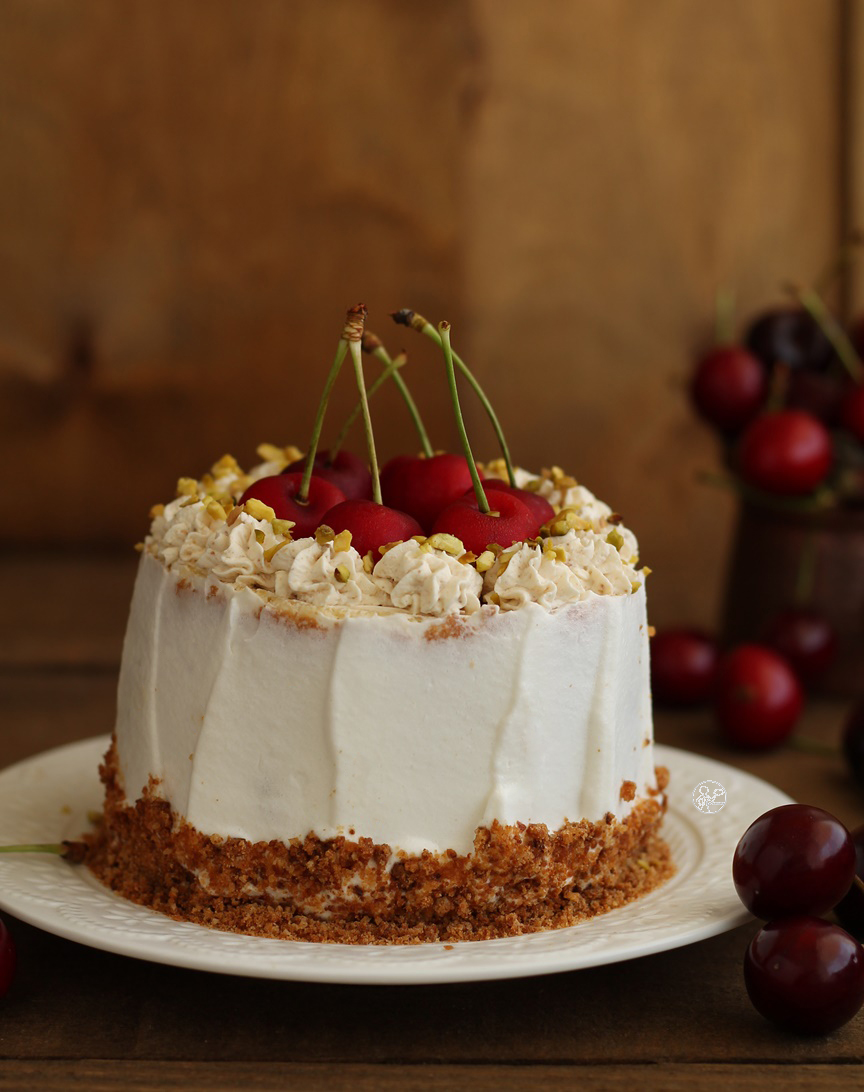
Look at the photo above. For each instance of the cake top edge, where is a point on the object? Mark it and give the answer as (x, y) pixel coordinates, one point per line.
(583, 550)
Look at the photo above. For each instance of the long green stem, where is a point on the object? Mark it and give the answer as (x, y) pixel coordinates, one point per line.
(391, 370)
(382, 354)
(56, 849)
(410, 318)
(444, 341)
(812, 747)
(357, 358)
(354, 322)
(831, 328)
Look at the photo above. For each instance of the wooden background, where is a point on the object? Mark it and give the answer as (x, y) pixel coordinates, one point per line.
(192, 191)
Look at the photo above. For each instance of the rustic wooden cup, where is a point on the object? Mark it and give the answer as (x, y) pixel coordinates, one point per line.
(764, 574)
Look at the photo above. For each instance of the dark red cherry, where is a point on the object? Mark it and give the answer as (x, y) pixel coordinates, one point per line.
(507, 522)
(816, 393)
(758, 698)
(280, 493)
(789, 335)
(683, 666)
(371, 525)
(789, 452)
(850, 909)
(8, 959)
(805, 639)
(542, 509)
(795, 859)
(805, 974)
(853, 742)
(729, 387)
(346, 470)
(424, 487)
(852, 412)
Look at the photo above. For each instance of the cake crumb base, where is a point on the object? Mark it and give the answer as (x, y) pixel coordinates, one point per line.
(518, 879)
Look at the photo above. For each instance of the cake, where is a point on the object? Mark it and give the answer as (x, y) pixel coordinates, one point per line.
(417, 744)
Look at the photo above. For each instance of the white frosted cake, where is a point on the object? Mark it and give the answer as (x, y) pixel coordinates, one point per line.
(424, 745)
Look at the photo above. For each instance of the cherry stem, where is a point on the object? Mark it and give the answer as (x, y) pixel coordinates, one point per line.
(812, 302)
(373, 344)
(406, 317)
(391, 370)
(444, 338)
(724, 316)
(354, 323)
(812, 747)
(58, 850)
(806, 575)
(357, 358)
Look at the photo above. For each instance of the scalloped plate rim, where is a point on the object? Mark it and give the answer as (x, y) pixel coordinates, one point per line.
(161, 939)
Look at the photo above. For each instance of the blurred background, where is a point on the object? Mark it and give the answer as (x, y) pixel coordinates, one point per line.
(192, 193)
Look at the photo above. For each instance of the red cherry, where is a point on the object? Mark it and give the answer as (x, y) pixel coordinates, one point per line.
(542, 509)
(792, 336)
(8, 959)
(795, 859)
(683, 666)
(817, 393)
(758, 697)
(280, 493)
(805, 974)
(852, 412)
(729, 387)
(513, 522)
(424, 487)
(346, 471)
(806, 639)
(789, 452)
(371, 525)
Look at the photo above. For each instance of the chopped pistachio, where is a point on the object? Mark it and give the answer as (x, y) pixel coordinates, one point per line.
(652, 631)
(233, 516)
(646, 571)
(258, 509)
(207, 482)
(419, 539)
(614, 538)
(533, 486)
(186, 487)
(270, 453)
(215, 510)
(343, 574)
(388, 546)
(568, 519)
(226, 465)
(259, 536)
(495, 548)
(368, 562)
(450, 544)
(635, 585)
(485, 561)
(555, 553)
(282, 526)
(324, 534)
(270, 553)
(426, 547)
(157, 510)
(468, 558)
(190, 500)
(342, 542)
(493, 597)
(139, 547)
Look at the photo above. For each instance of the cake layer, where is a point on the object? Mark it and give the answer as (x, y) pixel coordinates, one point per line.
(517, 878)
(267, 719)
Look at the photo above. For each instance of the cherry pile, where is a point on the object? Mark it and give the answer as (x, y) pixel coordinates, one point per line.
(755, 691)
(788, 404)
(411, 495)
(793, 864)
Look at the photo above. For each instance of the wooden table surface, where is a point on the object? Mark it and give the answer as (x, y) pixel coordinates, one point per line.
(78, 1017)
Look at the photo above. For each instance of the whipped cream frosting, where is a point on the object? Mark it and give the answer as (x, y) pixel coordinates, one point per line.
(268, 720)
(196, 534)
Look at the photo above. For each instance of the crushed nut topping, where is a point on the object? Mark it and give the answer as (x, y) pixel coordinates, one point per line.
(448, 543)
(324, 534)
(342, 542)
(259, 510)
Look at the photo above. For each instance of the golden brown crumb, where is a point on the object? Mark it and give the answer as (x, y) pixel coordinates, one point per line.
(518, 879)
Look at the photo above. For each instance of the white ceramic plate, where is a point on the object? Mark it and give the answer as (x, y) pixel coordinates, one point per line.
(46, 798)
